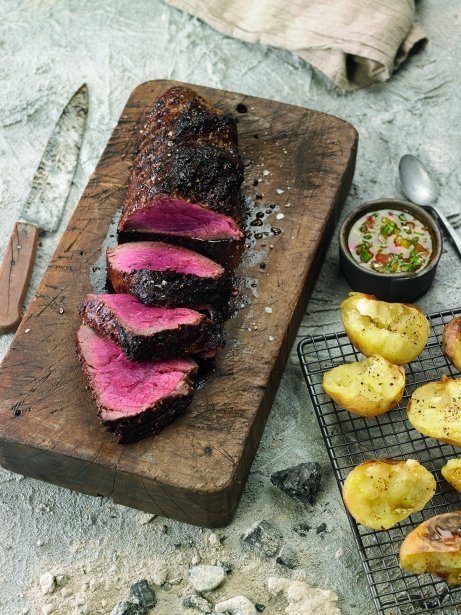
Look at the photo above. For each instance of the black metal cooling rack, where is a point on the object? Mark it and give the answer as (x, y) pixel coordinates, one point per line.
(351, 439)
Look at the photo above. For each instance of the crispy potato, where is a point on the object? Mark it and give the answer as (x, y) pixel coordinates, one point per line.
(434, 547)
(451, 472)
(434, 410)
(380, 493)
(451, 341)
(396, 331)
(368, 387)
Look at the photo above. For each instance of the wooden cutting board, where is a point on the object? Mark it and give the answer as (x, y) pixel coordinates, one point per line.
(298, 163)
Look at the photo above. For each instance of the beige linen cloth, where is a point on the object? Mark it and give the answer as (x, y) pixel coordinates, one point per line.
(353, 42)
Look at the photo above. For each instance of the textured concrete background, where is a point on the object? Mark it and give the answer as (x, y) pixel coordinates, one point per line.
(47, 49)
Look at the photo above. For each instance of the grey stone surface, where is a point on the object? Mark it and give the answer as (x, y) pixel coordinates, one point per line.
(262, 538)
(195, 601)
(47, 49)
(206, 578)
(238, 605)
(47, 583)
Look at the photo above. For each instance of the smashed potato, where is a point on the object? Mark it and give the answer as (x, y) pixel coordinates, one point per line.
(396, 331)
(434, 547)
(380, 493)
(368, 387)
(434, 410)
(451, 472)
(451, 341)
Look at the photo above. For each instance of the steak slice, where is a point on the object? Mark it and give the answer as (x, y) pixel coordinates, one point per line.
(214, 235)
(152, 333)
(226, 252)
(133, 400)
(186, 178)
(162, 274)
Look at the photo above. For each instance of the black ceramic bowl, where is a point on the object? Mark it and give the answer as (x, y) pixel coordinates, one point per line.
(403, 287)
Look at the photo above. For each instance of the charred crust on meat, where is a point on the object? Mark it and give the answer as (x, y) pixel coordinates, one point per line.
(170, 289)
(205, 335)
(226, 252)
(133, 429)
(149, 420)
(189, 152)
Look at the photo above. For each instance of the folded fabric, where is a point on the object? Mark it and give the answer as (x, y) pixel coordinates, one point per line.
(353, 42)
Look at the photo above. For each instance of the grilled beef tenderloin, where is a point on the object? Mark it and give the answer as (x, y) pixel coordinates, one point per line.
(185, 181)
(147, 333)
(133, 399)
(165, 275)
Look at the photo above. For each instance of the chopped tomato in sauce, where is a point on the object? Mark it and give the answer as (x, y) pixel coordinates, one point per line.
(390, 241)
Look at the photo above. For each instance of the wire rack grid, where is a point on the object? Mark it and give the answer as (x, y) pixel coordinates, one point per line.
(351, 439)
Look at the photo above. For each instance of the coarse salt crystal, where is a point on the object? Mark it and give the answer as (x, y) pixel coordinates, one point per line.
(266, 172)
(271, 338)
(280, 216)
(279, 191)
(268, 310)
(27, 331)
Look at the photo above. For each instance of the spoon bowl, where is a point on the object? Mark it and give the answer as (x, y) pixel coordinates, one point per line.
(420, 188)
(417, 183)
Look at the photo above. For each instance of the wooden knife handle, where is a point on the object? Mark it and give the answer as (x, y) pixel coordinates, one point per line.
(15, 273)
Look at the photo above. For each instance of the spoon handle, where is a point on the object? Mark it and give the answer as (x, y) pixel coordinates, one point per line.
(456, 239)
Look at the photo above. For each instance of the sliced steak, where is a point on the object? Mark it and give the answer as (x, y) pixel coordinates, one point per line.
(187, 224)
(133, 400)
(166, 275)
(152, 333)
(185, 182)
(226, 252)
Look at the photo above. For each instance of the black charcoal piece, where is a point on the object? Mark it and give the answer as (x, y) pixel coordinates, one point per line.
(287, 558)
(128, 608)
(301, 482)
(321, 528)
(142, 593)
(302, 529)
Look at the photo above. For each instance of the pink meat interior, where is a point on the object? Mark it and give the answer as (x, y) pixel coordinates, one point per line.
(165, 215)
(144, 319)
(158, 256)
(126, 387)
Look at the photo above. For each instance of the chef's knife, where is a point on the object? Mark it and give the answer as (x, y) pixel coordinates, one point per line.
(43, 208)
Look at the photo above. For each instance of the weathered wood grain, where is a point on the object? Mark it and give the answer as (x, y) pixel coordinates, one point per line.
(195, 470)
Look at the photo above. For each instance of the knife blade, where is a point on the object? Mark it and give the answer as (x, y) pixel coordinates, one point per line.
(43, 207)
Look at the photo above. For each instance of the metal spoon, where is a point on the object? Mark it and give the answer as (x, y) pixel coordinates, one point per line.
(420, 188)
